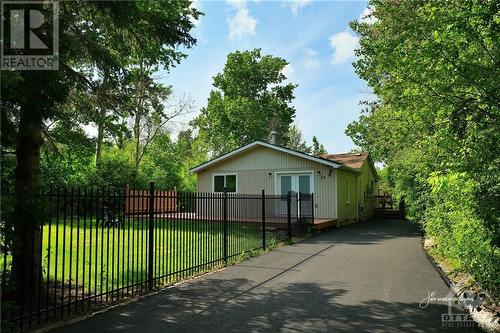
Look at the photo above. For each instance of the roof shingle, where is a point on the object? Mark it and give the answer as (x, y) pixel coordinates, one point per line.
(351, 160)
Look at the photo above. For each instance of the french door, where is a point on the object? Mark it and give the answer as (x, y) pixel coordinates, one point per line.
(295, 183)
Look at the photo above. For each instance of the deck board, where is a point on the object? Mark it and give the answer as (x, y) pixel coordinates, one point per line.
(271, 221)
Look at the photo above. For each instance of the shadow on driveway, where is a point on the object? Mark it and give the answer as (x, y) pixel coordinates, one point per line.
(326, 284)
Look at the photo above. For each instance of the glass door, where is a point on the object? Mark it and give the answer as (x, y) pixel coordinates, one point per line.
(292, 183)
(285, 186)
(304, 184)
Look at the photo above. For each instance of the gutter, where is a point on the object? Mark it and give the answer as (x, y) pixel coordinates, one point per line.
(346, 168)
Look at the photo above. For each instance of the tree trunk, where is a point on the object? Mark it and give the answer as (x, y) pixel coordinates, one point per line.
(137, 123)
(26, 238)
(100, 138)
(137, 137)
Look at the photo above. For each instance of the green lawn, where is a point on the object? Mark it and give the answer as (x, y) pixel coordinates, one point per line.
(100, 259)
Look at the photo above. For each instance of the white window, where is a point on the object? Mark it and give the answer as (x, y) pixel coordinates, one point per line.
(229, 181)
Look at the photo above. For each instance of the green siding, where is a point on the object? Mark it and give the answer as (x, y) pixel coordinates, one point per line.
(361, 194)
(367, 188)
(347, 203)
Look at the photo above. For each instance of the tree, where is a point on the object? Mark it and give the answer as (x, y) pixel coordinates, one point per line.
(66, 155)
(434, 68)
(150, 110)
(249, 100)
(108, 102)
(317, 148)
(146, 108)
(295, 140)
(102, 106)
(192, 153)
(92, 34)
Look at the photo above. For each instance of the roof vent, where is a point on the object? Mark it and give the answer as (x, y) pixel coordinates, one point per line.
(358, 154)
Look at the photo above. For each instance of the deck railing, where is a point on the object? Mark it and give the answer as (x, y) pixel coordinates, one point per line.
(98, 246)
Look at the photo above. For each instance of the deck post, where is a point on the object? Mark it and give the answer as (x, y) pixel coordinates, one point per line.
(263, 220)
(151, 234)
(289, 214)
(225, 225)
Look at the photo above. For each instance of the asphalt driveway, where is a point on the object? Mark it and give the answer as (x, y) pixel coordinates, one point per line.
(365, 277)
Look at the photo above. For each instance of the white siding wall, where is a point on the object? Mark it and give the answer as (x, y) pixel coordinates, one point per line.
(256, 170)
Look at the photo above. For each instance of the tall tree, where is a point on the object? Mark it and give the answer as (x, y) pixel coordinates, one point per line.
(317, 148)
(106, 110)
(152, 108)
(102, 106)
(295, 140)
(250, 99)
(92, 34)
(434, 67)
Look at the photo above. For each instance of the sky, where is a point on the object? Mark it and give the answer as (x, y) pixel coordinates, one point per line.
(313, 36)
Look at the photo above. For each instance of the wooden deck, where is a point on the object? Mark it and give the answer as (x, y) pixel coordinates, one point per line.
(271, 221)
(324, 223)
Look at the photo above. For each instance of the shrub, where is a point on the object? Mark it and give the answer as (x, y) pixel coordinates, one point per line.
(452, 221)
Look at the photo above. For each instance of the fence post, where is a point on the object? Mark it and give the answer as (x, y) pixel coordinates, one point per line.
(225, 225)
(312, 209)
(151, 234)
(300, 222)
(289, 213)
(263, 220)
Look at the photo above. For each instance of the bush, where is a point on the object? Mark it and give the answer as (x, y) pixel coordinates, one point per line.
(452, 221)
(117, 169)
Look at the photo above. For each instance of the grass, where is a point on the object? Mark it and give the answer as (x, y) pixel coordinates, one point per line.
(97, 259)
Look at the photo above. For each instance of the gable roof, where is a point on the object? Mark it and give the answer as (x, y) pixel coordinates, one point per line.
(325, 161)
(352, 160)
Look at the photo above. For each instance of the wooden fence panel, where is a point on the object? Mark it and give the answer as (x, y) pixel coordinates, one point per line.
(137, 201)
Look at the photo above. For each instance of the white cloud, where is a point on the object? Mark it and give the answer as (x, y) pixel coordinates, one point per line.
(310, 52)
(343, 44)
(288, 71)
(241, 24)
(238, 4)
(311, 64)
(296, 5)
(311, 61)
(365, 16)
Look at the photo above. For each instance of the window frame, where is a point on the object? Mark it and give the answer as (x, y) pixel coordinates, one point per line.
(277, 179)
(225, 174)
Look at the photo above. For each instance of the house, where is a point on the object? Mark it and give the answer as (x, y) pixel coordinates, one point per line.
(343, 184)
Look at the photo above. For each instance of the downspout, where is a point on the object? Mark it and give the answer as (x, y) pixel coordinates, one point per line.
(357, 199)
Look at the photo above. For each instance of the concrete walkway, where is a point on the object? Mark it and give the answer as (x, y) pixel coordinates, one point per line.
(365, 277)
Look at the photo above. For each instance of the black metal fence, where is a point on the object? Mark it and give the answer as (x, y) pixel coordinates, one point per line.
(99, 246)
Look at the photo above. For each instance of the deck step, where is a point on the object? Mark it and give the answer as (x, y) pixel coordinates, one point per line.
(388, 212)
